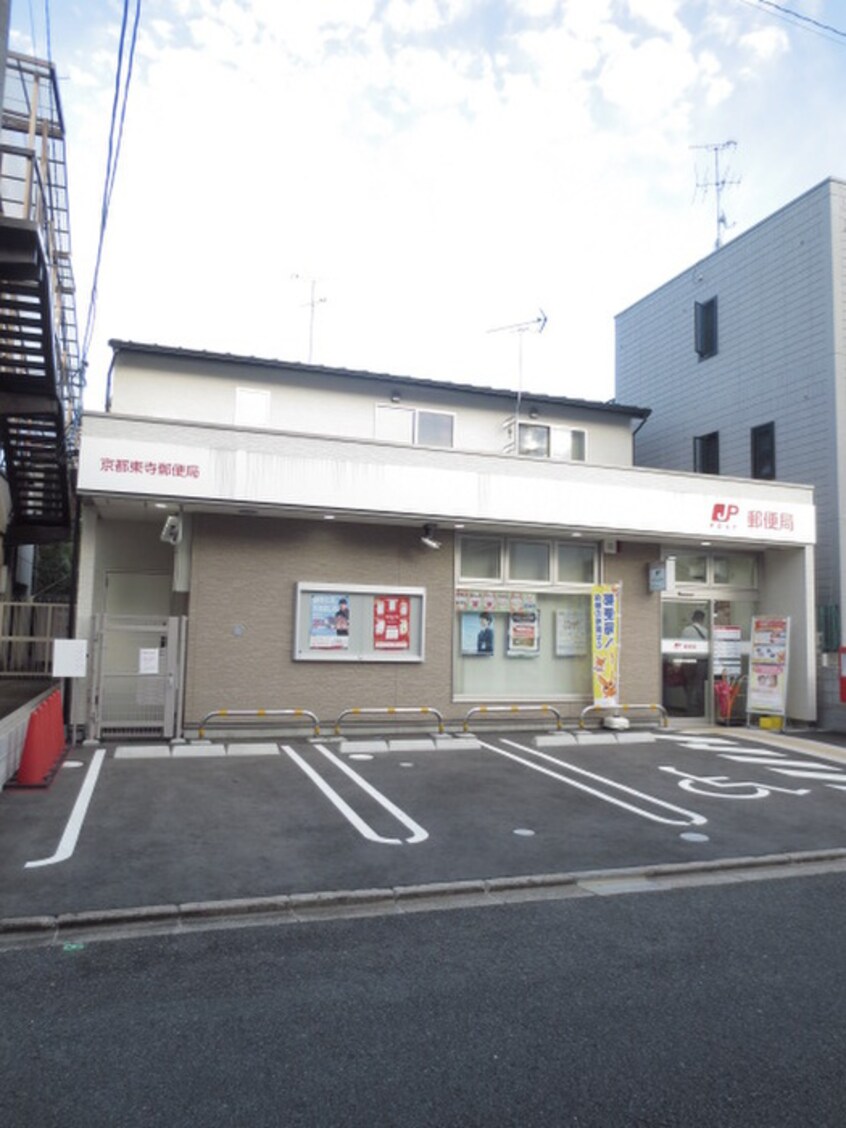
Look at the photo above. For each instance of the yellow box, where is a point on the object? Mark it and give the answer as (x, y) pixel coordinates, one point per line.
(771, 722)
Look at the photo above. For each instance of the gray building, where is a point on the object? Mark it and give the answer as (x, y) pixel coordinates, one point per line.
(742, 359)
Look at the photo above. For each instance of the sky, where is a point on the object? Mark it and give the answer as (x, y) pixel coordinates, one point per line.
(402, 186)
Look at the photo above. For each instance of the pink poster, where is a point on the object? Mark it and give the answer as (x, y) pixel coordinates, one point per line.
(391, 622)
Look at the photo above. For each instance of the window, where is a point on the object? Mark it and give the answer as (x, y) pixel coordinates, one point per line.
(537, 440)
(706, 453)
(434, 428)
(481, 559)
(413, 425)
(763, 451)
(691, 569)
(529, 561)
(705, 328)
(576, 564)
(534, 440)
(736, 571)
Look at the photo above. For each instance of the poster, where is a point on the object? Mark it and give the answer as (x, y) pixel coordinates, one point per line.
(523, 634)
(492, 601)
(391, 622)
(477, 633)
(330, 622)
(606, 644)
(767, 692)
(571, 632)
(727, 651)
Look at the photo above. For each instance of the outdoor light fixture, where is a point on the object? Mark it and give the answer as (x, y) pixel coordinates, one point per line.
(428, 537)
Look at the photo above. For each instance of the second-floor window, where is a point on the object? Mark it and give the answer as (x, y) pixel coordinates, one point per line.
(763, 451)
(706, 453)
(538, 440)
(705, 328)
(414, 425)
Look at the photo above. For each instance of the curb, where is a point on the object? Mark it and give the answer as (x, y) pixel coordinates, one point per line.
(101, 924)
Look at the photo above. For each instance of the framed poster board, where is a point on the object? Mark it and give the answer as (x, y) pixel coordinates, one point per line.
(358, 623)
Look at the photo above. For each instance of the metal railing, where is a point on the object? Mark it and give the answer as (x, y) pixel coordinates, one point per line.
(486, 710)
(391, 711)
(622, 710)
(263, 716)
(27, 632)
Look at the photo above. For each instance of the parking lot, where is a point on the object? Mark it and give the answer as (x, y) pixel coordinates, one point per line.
(132, 825)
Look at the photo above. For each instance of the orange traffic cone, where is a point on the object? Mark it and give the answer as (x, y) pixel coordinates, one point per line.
(44, 745)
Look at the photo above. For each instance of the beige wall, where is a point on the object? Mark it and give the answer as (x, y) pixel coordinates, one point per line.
(640, 643)
(244, 575)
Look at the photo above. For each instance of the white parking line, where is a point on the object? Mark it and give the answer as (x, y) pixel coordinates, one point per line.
(366, 831)
(418, 834)
(67, 843)
(688, 818)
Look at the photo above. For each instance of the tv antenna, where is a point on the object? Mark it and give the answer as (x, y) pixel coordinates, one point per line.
(312, 303)
(720, 182)
(536, 325)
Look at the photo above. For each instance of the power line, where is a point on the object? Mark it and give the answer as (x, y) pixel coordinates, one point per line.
(118, 117)
(802, 18)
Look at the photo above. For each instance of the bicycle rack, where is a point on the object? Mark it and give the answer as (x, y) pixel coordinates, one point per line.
(259, 714)
(390, 711)
(618, 710)
(484, 710)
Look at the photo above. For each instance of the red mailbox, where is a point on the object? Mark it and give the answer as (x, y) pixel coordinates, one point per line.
(841, 654)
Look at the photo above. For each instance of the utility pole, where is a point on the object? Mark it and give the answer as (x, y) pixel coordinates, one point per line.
(5, 7)
(719, 184)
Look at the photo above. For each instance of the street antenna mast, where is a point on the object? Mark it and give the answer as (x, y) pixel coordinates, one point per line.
(720, 182)
(537, 325)
(312, 303)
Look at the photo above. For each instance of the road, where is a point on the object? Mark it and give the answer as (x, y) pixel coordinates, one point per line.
(708, 1006)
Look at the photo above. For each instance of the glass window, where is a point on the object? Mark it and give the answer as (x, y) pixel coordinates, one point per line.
(434, 428)
(763, 451)
(691, 569)
(394, 424)
(528, 560)
(738, 571)
(706, 453)
(576, 564)
(569, 445)
(705, 328)
(534, 440)
(481, 558)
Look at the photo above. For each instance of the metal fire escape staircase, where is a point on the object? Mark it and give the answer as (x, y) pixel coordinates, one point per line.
(40, 379)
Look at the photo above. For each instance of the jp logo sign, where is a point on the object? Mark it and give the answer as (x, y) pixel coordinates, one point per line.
(723, 513)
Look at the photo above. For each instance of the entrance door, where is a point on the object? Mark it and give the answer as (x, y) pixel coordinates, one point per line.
(686, 658)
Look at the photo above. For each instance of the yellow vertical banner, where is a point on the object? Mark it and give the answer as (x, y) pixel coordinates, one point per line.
(606, 644)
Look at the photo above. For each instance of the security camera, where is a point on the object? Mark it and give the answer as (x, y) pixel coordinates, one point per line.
(428, 538)
(172, 531)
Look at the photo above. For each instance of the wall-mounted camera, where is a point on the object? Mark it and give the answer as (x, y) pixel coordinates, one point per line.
(172, 531)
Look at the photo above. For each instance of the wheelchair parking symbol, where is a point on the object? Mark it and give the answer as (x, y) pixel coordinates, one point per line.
(721, 787)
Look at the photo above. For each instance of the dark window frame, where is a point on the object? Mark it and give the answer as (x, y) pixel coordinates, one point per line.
(705, 328)
(706, 453)
(763, 451)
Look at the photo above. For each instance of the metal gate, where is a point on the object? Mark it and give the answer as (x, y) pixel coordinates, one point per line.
(136, 688)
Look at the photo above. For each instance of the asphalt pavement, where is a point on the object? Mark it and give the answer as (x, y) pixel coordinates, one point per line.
(166, 832)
